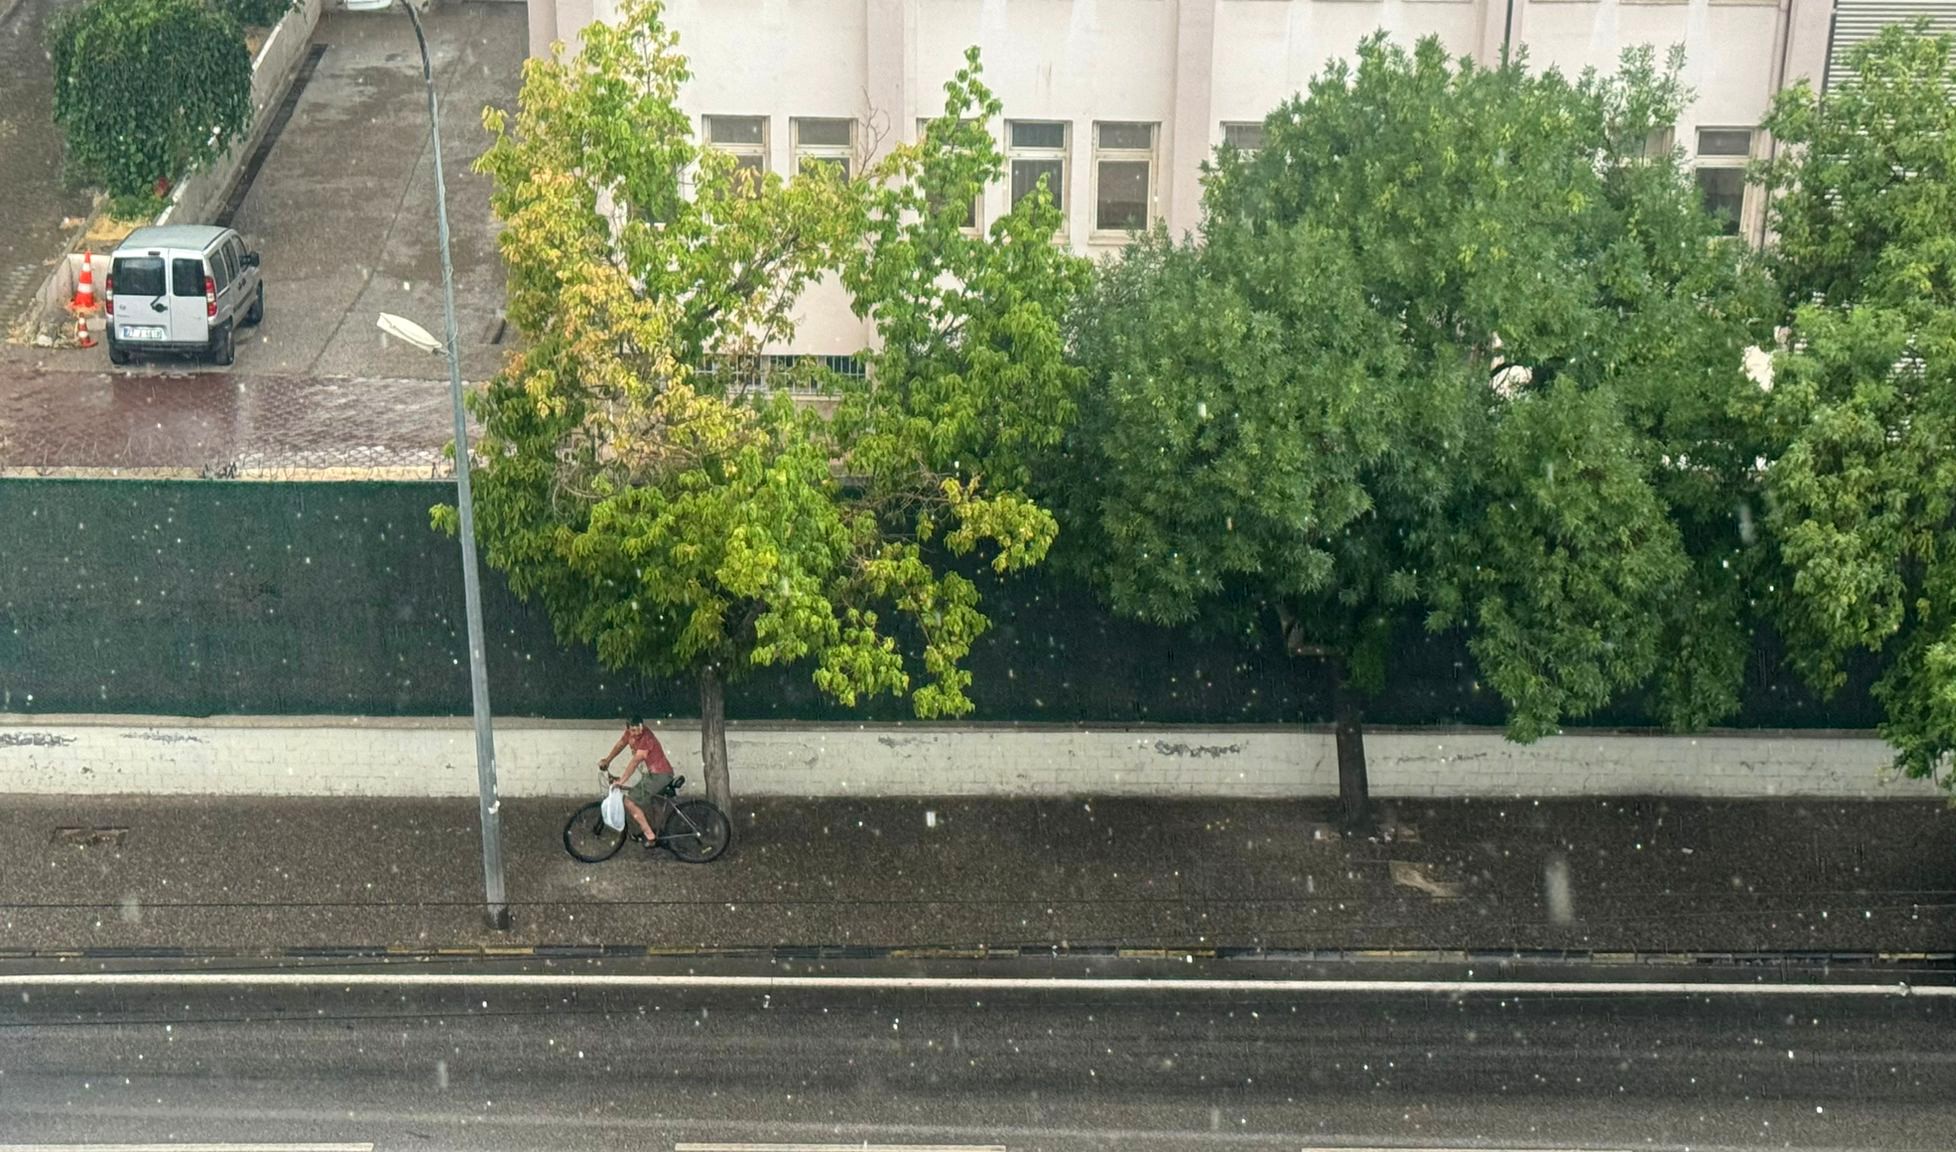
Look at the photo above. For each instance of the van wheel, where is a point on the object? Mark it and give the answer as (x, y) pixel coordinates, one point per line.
(257, 310)
(223, 349)
(117, 353)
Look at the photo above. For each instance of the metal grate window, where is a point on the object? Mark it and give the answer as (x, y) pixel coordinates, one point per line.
(765, 373)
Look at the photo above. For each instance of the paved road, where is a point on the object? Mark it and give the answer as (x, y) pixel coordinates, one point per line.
(32, 199)
(605, 1066)
(343, 211)
(217, 872)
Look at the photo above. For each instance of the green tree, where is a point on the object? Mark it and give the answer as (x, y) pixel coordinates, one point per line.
(1451, 340)
(146, 91)
(969, 382)
(635, 479)
(1863, 407)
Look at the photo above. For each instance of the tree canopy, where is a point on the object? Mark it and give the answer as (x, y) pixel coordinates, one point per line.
(1451, 342)
(147, 90)
(1863, 406)
(638, 478)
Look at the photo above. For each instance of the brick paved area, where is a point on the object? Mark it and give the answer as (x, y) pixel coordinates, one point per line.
(163, 422)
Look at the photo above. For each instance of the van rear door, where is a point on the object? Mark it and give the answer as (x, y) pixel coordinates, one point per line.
(142, 310)
(189, 310)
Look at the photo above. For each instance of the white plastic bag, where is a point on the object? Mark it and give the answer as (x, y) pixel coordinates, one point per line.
(613, 810)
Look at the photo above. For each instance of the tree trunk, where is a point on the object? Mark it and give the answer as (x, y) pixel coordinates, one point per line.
(713, 737)
(1348, 721)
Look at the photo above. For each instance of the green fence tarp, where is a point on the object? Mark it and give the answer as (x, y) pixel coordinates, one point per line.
(199, 598)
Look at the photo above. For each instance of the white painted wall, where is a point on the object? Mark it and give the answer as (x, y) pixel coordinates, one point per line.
(1187, 65)
(312, 756)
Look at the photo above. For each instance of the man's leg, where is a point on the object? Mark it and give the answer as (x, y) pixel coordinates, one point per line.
(638, 817)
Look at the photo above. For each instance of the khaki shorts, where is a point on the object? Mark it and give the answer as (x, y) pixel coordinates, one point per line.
(644, 792)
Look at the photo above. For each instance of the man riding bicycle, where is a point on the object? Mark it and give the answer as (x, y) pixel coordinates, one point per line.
(653, 771)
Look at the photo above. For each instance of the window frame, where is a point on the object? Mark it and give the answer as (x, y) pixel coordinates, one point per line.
(822, 153)
(1229, 124)
(1062, 194)
(742, 151)
(1719, 162)
(1100, 155)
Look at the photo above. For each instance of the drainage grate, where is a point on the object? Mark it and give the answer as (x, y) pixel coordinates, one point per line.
(249, 175)
(89, 837)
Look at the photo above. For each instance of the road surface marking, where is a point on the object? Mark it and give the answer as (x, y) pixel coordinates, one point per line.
(840, 1148)
(186, 1148)
(315, 979)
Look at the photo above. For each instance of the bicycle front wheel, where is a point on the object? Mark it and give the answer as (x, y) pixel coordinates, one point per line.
(697, 832)
(587, 839)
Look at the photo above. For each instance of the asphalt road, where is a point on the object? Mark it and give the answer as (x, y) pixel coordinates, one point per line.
(33, 200)
(610, 1065)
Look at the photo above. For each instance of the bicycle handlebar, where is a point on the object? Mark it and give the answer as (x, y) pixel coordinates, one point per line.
(673, 785)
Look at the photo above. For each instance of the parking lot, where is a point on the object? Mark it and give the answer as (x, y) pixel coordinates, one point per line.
(342, 214)
(342, 209)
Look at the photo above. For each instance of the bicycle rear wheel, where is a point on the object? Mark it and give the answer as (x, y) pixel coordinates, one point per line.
(697, 832)
(587, 839)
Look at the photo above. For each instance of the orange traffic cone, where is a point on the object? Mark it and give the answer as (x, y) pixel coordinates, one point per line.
(83, 337)
(84, 301)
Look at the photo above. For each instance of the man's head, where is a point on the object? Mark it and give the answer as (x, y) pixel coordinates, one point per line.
(635, 724)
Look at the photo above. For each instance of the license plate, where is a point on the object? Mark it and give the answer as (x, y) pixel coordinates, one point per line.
(133, 332)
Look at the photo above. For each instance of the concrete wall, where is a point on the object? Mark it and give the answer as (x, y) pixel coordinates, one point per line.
(1188, 66)
(313, 756)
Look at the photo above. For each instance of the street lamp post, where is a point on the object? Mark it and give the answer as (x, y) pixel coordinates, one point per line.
(496, 902)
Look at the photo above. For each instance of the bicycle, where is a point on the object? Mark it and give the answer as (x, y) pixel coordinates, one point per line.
(696, 831)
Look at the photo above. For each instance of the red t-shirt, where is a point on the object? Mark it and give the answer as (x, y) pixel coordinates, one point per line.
(648, 744)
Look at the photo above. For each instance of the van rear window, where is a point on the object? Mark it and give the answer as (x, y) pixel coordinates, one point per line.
(186, 277)
(138, 276)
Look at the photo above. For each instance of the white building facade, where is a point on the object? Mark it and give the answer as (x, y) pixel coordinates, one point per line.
(1118, 102)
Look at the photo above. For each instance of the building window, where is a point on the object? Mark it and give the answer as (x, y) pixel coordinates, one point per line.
(1124, 176)
(828, 143)
(1720, 171)
(970, 222)
(1244, 137)
(742, 137)
(1038, 152)
(1659, 142)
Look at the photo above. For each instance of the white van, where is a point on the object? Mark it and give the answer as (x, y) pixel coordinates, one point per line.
(181, 288)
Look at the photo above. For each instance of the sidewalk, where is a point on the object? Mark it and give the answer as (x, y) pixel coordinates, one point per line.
(1646, 876)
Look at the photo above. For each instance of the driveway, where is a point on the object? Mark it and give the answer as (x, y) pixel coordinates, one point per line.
(33, 202)
(343, 210)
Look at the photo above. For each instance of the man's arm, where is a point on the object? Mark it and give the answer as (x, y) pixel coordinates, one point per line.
(613, 754)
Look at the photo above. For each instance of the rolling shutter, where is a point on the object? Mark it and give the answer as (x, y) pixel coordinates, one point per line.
(1859, 21)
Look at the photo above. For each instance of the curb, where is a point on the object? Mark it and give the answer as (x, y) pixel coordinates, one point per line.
(818, 952)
